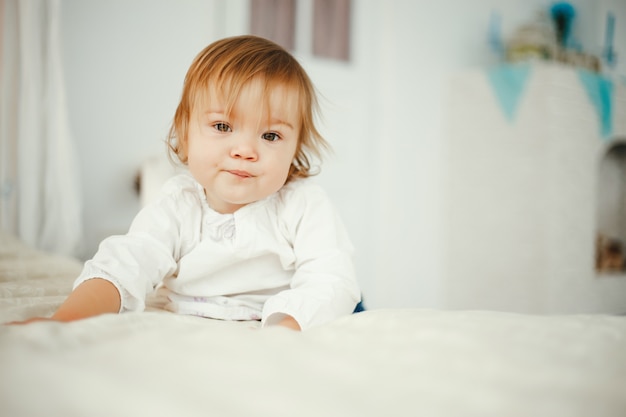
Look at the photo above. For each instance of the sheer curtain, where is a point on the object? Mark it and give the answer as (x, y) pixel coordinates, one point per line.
(39, 189)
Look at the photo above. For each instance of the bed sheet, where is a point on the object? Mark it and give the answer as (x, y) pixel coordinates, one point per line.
(376, 363)
(383, 362)
(32, 282)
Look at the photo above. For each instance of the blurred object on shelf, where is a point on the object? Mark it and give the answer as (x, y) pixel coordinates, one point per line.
(494, 36)
(534, 40)
(609, 255)
(609, 53)
(562, 15)
(549, 37)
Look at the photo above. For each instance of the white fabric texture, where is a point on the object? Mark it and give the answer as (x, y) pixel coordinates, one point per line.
(33, 283)
(377, 363)
(39, 192)
(286, 254)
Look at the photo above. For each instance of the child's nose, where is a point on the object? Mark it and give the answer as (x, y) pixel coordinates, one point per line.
(244, 148)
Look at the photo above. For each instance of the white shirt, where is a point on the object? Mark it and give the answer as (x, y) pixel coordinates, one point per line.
(286, 254)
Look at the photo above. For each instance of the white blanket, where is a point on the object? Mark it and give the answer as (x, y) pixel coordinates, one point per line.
(378, 363)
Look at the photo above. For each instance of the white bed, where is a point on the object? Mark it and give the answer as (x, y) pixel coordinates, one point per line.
(376, 363)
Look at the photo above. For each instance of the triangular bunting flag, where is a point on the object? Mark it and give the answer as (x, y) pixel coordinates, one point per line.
(600, 92)
(508, 82)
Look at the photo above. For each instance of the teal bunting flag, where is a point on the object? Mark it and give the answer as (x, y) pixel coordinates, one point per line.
(508, 83)
(600, 92)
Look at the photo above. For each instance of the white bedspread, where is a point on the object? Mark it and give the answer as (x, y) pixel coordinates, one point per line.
(32, 283)
(377, 363)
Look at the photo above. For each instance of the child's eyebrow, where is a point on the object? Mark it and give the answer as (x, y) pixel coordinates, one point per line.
(209, 112)
(272, 122)
(275, 121)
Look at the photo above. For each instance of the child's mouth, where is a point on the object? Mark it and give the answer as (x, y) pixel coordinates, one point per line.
(240, 174)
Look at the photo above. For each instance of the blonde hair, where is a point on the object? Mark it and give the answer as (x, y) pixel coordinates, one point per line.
(230, 64)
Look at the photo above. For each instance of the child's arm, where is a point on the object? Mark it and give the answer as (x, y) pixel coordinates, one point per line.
(91, 298)
(289, 322)
(323, 286)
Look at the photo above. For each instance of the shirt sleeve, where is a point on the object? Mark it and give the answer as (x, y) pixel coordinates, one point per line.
(137, 261)
(324, 285)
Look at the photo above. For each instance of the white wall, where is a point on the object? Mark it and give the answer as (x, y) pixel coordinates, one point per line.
(125, 62)
(126, 59)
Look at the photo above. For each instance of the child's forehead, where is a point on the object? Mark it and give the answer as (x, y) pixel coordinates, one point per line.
(275, 98)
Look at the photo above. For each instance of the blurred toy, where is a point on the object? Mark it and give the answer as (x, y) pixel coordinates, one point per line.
(534, 40)
(562, 14)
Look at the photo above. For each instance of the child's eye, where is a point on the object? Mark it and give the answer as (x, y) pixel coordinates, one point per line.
(270, 136)
(222, 127)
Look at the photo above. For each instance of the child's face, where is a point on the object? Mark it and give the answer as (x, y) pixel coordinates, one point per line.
(244, 156)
